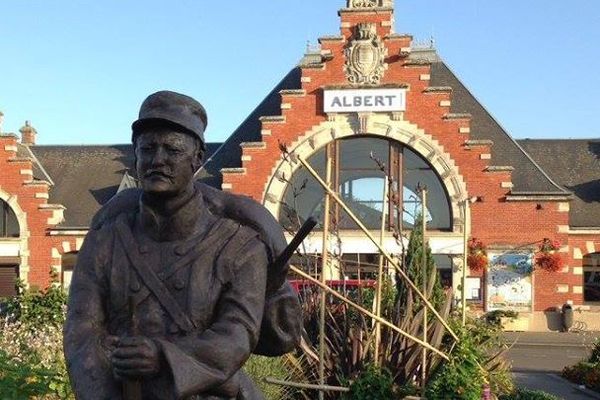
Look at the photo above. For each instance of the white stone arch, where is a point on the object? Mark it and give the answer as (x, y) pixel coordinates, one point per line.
(375, 124)
(24, 234)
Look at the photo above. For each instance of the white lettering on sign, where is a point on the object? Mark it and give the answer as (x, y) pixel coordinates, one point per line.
(364, 100)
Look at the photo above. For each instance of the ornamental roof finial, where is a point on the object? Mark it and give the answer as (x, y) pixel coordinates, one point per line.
(370, 3)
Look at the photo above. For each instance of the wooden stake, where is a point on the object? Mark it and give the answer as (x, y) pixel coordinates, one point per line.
(389, 258)
(300, 385)
(424, 278)
(324, 260)
(380, 272)
(463, 299)
(367, 312)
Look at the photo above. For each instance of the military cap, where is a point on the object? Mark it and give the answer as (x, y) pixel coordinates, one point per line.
(175, 109)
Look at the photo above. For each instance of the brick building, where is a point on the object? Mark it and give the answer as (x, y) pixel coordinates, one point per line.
(367, 93)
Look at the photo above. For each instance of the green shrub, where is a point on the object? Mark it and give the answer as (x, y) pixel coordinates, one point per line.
(461, 377)
(595, 356)
(38, 307)
(372, 384)
(527, 394)
(478, 358)
(577, 373)
(495, 317)
(258, 368)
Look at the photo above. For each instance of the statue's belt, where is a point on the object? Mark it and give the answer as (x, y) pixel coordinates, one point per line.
(151, 280)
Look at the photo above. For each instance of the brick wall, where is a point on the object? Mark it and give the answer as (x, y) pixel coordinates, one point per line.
(16, 181)
(494, 220)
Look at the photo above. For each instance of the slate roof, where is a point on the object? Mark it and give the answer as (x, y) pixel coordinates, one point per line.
(230, 153)
(527, 176)
(575, 165)
(86, 177)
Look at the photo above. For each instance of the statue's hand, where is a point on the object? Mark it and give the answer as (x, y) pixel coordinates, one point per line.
(135, 357)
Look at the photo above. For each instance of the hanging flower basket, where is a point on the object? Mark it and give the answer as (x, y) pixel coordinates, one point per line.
(477, 259)
(547, 257)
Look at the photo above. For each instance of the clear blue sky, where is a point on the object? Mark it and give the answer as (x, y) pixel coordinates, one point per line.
(79, 69)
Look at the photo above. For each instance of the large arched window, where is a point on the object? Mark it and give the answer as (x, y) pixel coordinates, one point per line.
(360, 164)
(9, 226)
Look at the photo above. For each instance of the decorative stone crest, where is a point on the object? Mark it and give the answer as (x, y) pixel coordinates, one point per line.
(365, 55)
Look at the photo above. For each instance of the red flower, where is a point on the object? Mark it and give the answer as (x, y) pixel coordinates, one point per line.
(477, 257)
(547, 257)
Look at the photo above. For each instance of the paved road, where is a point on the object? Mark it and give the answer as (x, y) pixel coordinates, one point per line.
(545, 358)
(538, 359)
(552, 383)
(547, 352)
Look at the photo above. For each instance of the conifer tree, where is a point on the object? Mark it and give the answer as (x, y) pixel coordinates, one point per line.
(413, 265)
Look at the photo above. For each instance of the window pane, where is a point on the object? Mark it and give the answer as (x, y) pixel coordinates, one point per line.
(363, 194)
(9, 225)
(303, 195)
(591, 277)
(355, 153)
(417, 172)
(361, 179)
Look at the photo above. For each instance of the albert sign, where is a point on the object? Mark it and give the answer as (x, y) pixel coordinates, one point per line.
(364, 100)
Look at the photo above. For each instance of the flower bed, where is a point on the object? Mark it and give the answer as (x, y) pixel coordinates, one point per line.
(586, 372)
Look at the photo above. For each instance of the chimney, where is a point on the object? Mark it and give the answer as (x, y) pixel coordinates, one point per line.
(28, 134)
(1, 121)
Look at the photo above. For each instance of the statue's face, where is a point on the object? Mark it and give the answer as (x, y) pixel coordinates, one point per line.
(166, 161)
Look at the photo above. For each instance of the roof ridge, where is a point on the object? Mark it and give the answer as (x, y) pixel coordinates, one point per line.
(40, 165)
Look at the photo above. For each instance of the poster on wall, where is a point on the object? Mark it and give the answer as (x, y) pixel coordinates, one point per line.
(509, 281)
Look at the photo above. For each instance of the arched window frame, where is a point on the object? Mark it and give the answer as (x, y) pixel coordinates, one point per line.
(9, 224)
(394, 169)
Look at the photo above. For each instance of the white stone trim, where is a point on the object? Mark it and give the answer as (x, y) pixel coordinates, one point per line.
(26, 171)
(485, 156)
(590, 247)
(246, 158)
(577, 289)
(564, 206)
(577, 254)
(286, 106)
(562, 288)
(464, 129)
(42, 195)
(445, 103)
(577, 270)
(425, 77)
(66, 246)
(265, 132)
(377, 124)
(10, 147)
(306, 79)
(79, 243)
(57, 217)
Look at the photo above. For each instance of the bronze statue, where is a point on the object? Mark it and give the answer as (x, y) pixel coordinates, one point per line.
(177, 283)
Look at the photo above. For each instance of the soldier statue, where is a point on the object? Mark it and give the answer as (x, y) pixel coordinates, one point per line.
(177, 283)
